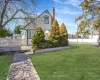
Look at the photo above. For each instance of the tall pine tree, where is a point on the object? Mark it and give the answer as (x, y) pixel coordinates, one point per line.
(63, 35)
(63, 31)
(55, 34)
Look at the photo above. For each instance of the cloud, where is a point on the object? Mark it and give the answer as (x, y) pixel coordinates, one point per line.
(74, 3)
(68, 22)
(67, 11)
(58, 1)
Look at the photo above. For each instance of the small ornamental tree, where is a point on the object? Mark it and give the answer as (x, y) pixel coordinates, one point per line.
(38, 38)
(55, 34)
(63, 35)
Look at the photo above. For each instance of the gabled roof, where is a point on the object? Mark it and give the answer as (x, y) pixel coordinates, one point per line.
(46, 11)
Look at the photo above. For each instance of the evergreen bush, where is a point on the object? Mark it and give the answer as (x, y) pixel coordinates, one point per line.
(63, 36)
(55, 34)
(38, 38)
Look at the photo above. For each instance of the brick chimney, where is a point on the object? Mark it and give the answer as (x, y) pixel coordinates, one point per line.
(53, 14)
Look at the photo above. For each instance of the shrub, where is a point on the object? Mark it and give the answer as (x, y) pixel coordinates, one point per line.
(38, 38)
(46, 44)
(63, 36)
(63, 41)
(3, 33)
(55, 34)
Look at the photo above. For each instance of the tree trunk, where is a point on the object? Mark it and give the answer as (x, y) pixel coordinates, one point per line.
(99, 38)
(1, 27)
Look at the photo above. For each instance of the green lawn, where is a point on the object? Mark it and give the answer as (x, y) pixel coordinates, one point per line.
(82, 62)
(5, 61)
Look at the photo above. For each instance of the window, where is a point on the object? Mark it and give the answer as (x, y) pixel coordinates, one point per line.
(30, 33)
(46, 19)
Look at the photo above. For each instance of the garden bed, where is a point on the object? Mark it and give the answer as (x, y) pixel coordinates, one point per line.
(51, 49)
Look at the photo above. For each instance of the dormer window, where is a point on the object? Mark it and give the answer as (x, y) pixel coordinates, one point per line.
(46, 19)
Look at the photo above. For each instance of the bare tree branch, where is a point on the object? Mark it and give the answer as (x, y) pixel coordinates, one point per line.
(11, 18)
(15, 10)
(3, 11)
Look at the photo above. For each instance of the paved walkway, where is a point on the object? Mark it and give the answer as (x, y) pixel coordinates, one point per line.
(22, 68)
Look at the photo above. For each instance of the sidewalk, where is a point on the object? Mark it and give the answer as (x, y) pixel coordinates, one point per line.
(22, 68)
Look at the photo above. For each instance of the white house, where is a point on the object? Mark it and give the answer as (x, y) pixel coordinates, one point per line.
(94, 35)
(44, 20)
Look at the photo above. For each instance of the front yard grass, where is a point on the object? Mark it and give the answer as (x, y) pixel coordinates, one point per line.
(82, 62)
(5, 61)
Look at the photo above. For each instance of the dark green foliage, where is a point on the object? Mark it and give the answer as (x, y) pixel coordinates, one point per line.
(55, 34)
(38, 38)
(3, 33)
(17, 30)
(9, 32)
(63, 41)
(46, 44)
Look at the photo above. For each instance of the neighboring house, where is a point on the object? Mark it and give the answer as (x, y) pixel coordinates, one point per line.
(94, 35)
(44, 21)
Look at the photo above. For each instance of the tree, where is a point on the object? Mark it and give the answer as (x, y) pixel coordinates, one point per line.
(14, 10)
(63, 35)
(90, 15)
(55, 33)
(63, 31)
(38, 38)
(17, 30)
(4, 32)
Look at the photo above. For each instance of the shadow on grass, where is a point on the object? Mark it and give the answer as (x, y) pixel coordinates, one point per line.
(75, 47)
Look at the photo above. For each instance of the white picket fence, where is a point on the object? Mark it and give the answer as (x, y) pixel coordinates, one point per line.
(10, 42)
(92, 41)
(14, 42)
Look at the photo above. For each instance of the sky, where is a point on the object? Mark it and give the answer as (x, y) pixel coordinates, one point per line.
(65, 12)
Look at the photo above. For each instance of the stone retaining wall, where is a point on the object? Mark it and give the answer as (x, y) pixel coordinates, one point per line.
(9, 49)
